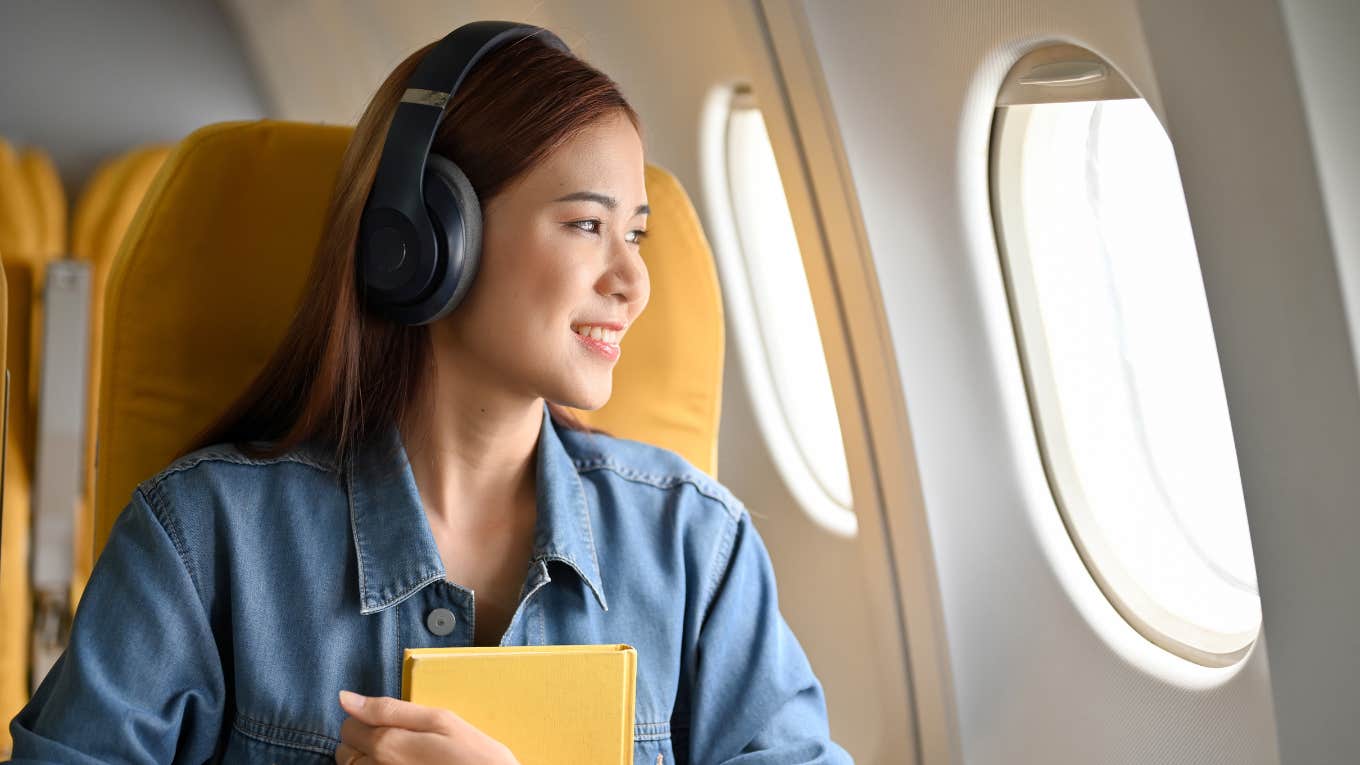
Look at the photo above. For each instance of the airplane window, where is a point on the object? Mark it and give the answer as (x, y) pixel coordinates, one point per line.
(1121, 364)
(773, 318)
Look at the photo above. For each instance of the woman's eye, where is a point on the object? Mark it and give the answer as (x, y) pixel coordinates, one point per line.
(592, 226)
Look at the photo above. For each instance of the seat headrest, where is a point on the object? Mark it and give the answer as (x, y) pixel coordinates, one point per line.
(21, 230)
(214, 264)
(110, 199)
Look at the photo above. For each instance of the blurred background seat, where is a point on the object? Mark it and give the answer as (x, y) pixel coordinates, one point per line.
(32, 233)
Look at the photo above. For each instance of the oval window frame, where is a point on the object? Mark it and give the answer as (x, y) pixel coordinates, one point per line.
(789, 458)
(1062, 73)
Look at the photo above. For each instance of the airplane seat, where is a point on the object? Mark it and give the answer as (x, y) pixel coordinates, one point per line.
(39, 197)
(32, 231)
(16, 597)
(215, 262)
(20, 231)
(44, 184)
(102, 216)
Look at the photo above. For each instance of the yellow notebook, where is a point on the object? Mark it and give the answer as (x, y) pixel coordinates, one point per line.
(552, 705)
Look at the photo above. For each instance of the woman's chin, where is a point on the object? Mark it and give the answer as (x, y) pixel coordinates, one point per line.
(595, 400)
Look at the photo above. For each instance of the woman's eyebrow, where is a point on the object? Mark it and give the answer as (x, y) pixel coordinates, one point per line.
(607, 201)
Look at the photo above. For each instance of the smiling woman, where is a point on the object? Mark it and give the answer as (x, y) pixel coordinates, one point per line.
(495, 133)
(390, 483)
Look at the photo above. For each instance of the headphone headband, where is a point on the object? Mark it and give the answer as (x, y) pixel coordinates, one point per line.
(397, 240)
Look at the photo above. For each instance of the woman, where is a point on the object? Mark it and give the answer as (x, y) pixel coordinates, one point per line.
(383, 486)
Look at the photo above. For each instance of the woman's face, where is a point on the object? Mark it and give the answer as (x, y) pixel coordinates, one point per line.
(559, 265)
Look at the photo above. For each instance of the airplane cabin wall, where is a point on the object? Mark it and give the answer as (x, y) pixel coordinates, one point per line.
(87, 81)
(1322, 37)
(1257, 159)
(1043, 668)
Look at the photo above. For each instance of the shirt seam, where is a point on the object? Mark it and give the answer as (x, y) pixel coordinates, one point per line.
(657, 731)
(719, 570)
(161, 513)
(590, 537)
(282, 735)
(234, 459)
(661, 481)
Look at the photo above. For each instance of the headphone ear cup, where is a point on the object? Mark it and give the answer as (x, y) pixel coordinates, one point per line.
(457, 215)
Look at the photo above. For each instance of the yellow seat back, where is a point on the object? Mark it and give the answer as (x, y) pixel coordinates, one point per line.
(16, 601)
(32, 233)
(215, 262)
(102, 217)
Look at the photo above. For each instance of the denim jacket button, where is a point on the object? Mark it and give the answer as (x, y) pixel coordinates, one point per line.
(440, 621)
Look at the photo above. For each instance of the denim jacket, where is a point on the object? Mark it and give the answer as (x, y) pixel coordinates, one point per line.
(235, 597)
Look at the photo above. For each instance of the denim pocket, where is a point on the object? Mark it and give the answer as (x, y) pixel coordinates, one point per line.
(256, 741)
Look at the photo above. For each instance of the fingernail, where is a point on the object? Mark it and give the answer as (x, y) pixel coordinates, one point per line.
(352, 699)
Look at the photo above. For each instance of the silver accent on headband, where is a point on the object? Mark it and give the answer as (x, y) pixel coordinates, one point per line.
(435, 98)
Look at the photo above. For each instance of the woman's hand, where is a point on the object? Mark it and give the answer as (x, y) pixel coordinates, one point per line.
(385, 731)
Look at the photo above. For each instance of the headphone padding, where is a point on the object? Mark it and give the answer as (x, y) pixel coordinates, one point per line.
(465, 256)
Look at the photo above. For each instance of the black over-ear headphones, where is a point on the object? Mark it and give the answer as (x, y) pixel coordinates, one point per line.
(420, 237)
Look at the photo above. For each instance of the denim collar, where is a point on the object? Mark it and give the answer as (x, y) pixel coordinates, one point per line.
(396, 549)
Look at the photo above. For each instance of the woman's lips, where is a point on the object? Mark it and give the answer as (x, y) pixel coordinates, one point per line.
(605, 350)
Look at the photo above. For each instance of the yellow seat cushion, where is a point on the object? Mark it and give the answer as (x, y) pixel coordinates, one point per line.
(109, 200)
(49, 201)
(20, 232)
(215, 262)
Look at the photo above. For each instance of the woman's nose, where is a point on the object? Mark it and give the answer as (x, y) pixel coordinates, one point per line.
(626, 275)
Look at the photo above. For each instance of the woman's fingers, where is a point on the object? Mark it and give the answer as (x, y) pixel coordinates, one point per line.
(384, 729)
(389, 712)
(347, 755)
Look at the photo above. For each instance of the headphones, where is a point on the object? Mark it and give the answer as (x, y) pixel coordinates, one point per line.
(420, 235)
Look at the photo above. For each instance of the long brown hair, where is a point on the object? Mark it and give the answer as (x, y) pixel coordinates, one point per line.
(342, 374)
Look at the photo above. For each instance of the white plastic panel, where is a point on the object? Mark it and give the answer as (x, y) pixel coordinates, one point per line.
(1256, 172)
(1043, 668)
(59, 462)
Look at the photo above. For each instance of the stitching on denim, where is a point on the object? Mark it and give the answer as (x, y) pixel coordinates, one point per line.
(599, 595)
(729, 503)
(283, 728)
(650, 736)
(542, 624)
(725, 550)
(515, 617)
(373, 602)
(358, 548)
(563, 557)
(472, 619)
(590, 536)
(399, 596)
(161, 512)
(279, 735)
(651, 731)
(401, 654)
(234, 458)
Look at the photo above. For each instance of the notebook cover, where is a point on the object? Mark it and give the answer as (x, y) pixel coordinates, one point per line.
(552, 705)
